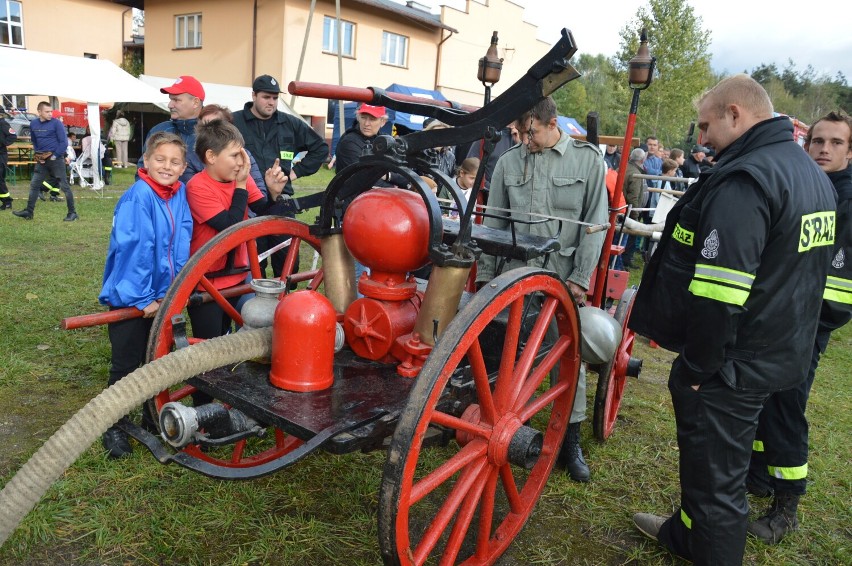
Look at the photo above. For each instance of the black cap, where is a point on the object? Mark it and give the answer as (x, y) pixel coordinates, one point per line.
(265, 83)
(700, 148)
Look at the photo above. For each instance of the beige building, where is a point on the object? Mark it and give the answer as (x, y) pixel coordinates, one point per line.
(383, 42)
(232, 41)
(83, 28)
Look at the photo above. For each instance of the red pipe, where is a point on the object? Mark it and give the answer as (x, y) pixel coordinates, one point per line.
(366, 95)
(603, 262)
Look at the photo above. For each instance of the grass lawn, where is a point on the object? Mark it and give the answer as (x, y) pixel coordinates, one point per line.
(323, 510)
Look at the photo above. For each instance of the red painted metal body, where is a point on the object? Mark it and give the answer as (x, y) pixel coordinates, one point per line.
(366, 95)
(372, 326)
(303, 342)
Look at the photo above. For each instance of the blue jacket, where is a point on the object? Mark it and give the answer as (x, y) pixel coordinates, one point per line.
(49, 136)
(186, 130)
(148, 246)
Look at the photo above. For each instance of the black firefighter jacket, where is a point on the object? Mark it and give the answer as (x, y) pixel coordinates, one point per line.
(837, 299)
(737, 281)
(288, 137)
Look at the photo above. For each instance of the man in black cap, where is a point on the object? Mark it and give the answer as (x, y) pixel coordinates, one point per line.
(692, 166)
(271, 134)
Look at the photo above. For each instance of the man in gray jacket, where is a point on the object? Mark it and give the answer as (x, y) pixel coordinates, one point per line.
(552, 174)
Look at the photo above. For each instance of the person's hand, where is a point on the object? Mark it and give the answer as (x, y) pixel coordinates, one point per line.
(245, 169)
(150, 310)
(275, 180)
(577, 292)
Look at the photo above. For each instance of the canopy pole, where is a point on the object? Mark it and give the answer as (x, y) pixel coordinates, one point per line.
(304, 47)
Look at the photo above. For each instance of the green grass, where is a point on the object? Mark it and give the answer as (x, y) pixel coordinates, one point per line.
(323, 510)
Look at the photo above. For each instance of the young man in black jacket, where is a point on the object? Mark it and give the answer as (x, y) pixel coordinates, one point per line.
(270, 134)
(736, 292)
(779, 462)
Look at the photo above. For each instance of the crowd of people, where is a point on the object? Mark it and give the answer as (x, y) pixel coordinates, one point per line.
(747, 295)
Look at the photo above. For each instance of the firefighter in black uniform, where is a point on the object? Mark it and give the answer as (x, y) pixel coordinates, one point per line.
(779, 463)
(270, 134)
(734, 288)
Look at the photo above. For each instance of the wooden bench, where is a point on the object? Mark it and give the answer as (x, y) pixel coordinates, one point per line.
(13, 168)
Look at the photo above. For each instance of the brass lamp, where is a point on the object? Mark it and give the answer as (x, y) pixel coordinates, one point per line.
(642, 65)
(490, 68)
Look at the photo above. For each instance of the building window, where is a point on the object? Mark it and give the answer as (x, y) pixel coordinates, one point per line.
(11, 24)
(188, 31)
(90, 55)
(394, 49)
(329, 36)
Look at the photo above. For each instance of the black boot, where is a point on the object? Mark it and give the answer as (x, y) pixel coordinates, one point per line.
(780, 520)
(571, 455)
(116, 443)
(6, 204)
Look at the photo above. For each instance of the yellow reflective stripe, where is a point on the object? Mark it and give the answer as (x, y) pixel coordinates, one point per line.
(838, 290)
(46, 184)
(685, 518)
(794, 473)
(4, 195)
(716, 292)
(757, 446)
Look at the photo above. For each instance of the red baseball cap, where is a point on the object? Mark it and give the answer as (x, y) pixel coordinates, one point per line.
(375, 111)
(185, 84)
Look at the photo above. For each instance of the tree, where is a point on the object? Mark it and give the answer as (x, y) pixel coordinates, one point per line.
(683, 72)
(597, 90)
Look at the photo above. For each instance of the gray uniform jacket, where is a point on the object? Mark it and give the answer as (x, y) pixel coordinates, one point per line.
(567, 181)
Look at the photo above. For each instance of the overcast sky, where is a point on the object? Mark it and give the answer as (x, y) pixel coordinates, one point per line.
(744, 33)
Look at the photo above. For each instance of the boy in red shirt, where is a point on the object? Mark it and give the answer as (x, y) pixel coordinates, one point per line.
(219, 197)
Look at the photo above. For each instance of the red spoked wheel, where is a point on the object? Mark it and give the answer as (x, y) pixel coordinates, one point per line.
(467, 501)
(302, 244)
(613, 375)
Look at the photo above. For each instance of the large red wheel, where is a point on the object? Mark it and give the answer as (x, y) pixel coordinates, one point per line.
(184, 289)
(613, 375)
(467, 501)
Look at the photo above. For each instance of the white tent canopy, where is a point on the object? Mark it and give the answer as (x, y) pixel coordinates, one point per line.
(232, 96)
(93, 81)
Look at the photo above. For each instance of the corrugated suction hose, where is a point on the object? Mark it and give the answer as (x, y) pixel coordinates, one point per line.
(62, 449)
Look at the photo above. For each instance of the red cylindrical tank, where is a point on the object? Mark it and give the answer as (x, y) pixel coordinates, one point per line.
(303, 342)
(387, 229)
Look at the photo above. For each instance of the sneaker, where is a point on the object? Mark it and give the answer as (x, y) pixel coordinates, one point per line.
(649, 524)
(25, 214)
(116, 443)
(54, 198)
(72, 216)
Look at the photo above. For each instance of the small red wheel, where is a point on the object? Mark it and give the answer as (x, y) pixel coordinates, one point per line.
(613, 375)
(184, 287)
(467, 502)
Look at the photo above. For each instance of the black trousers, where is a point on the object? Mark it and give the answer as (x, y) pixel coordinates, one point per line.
(50, 169)
(781, 445)
(715, 430)
(129, 339)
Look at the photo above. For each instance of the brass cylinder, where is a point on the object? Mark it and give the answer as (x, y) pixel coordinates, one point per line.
(441, 301)
(338, 267)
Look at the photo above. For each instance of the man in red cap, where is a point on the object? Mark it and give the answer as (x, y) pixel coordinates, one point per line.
(368, 121)
(186, 98)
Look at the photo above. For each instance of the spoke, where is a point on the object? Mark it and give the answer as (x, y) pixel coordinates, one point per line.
(221, 301)
(290, 260)
(456, 423)
(538, 376)
(486, 516)
(239, 448)
(529, 411)
(469, 453)
(502, 394)
(254, 264)
(464, 518)
(487, 409)
(445, 514)
(511, 488)
(527, 358)
(181, 393)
